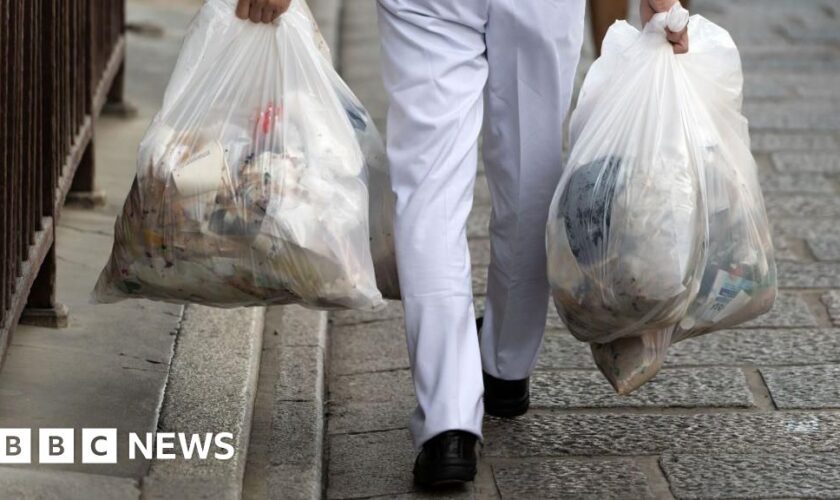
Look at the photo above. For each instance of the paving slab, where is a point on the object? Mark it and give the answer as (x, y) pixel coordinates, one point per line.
(561, 350)
(296, 429)
(300, 368)
(296, 326)
(671, 388)
(802, 227)
(22, 484)
(824, 34)
(808, 275)
(726, 475)
(822, 162)
(372, 387)
(43, 387)
(785, 61)
(151, 58)
(816, 86)
(393, 310)
(789, 248)
(372, 401)
(478, 224)
(480, 252)
(789, 311)
(759, 347)
(773, 141)
(766, 88)
(371, 464)
(572, 478)
(359, 56)
(292, 481)
(825, 247)
(357, 417)
(481, 194)
(794, 117)
(831, 300)
(754, 346)
(368, 347)
(807, 183)
(552, 434)
(479, 280)
(802, 387)
(802, 205)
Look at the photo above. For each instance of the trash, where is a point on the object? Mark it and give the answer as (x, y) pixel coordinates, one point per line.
(739, 278)
(630, 245)
(382, 198)
(657, 231)
(252, 182)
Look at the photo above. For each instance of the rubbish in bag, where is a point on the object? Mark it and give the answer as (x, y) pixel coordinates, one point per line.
(252, 184)
(382, 198)
(628, 362)
(641, 253)
(657, 231)
(739, 278)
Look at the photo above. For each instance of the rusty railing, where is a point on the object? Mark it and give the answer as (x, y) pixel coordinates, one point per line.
(60, 61)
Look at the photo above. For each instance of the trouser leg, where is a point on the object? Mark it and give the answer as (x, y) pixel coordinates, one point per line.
(533, 50)
(434, 72)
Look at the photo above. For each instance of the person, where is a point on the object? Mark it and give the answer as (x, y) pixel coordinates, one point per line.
(454, 69)
(602, 13)
(261, 11)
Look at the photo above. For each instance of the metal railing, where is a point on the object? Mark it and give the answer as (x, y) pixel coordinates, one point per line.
(59, 63)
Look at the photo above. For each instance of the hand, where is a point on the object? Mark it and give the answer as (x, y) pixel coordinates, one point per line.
(261, 11)
(679, 40)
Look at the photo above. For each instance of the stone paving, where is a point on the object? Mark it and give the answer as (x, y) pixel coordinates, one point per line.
(748, 413)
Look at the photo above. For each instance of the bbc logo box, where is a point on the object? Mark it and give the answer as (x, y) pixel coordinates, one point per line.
(16, 446)
(58, 446)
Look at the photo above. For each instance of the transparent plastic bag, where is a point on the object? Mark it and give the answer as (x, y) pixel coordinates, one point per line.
(657, 231)
(382, 198)
(251, 184)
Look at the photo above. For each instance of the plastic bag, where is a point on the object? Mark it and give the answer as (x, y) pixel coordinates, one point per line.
(657, 230)
(382, 198)
(251, 184)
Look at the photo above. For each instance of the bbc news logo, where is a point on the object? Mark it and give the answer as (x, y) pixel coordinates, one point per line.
(100, 446)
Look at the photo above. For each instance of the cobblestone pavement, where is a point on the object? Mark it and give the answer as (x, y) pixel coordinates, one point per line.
(748, 413)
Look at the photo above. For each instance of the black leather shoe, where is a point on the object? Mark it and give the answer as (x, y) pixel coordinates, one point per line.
(504, 398)
(446, 459)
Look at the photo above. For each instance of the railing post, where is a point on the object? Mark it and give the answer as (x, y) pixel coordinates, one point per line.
(83, 192)
(116, 105)
(41, 306)
(83, 181)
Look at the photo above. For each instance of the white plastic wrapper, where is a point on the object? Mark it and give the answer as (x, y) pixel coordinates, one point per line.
(252, 185)
(657, 231)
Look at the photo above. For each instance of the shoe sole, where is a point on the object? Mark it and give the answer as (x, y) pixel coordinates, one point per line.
(448, 475)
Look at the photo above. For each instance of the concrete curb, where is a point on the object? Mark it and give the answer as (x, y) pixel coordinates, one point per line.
(286, 455)
(211, 389)
(28, 484)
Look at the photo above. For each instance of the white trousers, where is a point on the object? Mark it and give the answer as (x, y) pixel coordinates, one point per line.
(450, 66)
